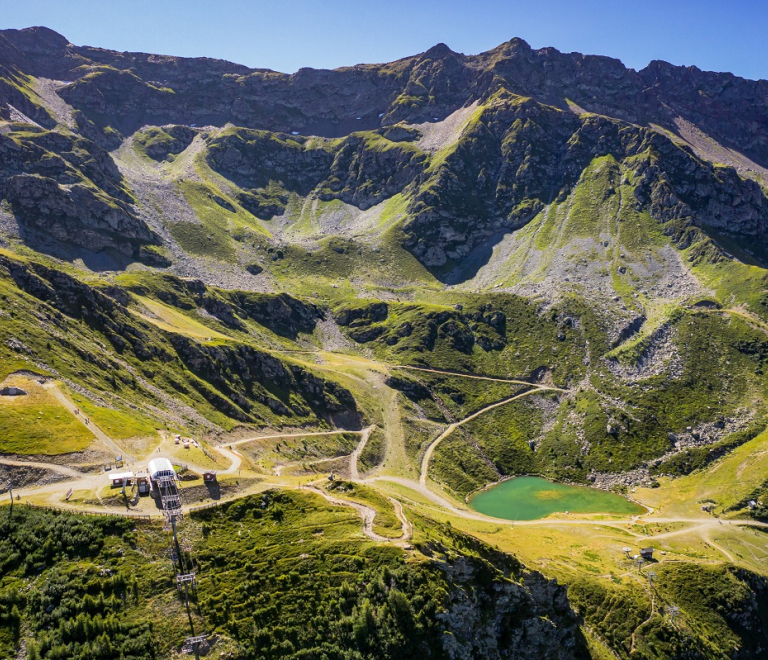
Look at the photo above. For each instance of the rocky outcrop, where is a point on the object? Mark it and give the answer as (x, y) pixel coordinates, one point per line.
(458, 329)
(67, 191)
(361, 314)
(159, 143)
(75, 215)
(282, 314)
(253, 159)
(497, 618)
(68, 158)
(363, 169)
(366, 171)
(241, 375)
(413, 390)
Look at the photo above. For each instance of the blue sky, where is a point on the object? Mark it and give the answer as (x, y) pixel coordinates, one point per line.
(722, 35)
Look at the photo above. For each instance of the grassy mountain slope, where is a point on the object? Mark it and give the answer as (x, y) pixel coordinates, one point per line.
(87, 587)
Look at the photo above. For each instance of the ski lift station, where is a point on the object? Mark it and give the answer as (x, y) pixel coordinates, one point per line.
(161, 468)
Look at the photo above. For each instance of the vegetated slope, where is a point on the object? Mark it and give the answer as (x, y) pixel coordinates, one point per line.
(721, 601)
(285, 575)
(94, 337)
(280, 575)
(629, 408)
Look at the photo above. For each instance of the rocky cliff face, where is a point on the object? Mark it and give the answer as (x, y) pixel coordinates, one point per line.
(503, 619)
(282, 314)
(519, 155)
(362, 169)
(66, 190)
(75, 215)
(243, 374)
(137, 88)
(541, 118)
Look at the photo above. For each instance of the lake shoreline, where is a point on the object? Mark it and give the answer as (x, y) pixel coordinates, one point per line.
(528, 505)
(468, 496)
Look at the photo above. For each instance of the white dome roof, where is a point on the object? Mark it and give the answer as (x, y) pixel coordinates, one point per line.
(161, 467)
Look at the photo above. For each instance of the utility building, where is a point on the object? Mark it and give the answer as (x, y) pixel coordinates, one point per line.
(121, 478)
(142, 481)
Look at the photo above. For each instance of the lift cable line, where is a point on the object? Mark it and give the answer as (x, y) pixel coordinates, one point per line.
(163, 475)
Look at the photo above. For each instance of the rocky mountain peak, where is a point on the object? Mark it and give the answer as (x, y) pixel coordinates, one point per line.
(437, 52)
(38, 40)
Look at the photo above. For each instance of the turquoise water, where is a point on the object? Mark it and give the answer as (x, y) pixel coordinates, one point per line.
(530, 498)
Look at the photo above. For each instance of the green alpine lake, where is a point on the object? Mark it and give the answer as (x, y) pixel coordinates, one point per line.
(530, 498)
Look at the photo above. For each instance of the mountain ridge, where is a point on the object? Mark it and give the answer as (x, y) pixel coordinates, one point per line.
(645, 91)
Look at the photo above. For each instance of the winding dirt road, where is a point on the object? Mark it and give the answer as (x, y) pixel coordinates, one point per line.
(235, 458)
(53, 467)
(290, 435)
(354, 475)
(461, 375)
(452, 427)
(368, 515)
(704, 527)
